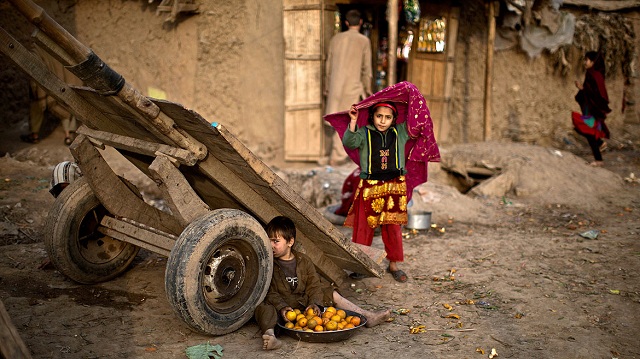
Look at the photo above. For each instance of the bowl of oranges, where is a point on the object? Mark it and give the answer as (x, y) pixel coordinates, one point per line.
(332, 325)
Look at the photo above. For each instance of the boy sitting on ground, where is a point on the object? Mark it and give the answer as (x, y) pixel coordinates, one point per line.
(295, 283)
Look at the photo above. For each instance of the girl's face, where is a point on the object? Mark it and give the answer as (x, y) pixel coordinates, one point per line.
(281, 247)
(588, 63)
(383, 118)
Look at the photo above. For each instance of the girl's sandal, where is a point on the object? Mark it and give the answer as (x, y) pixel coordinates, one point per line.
(398, 275)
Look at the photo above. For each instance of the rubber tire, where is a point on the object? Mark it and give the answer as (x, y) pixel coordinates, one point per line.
(189, 270)
(75, 215)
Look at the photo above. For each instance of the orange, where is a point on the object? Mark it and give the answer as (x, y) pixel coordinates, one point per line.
(355, 320)
(336, 318)
(348, 318)
(288, 325)
(310, 312)
(325, 320)
(302, 322)
(312, 323)
(318, 319)
(300, 316)
(331, 325)
(349, 326)
(319, 328)
(327, 314)
(297, 327)
(341, 326)
(291, 315)
(330, 309)
(297, 311)
(341, 313)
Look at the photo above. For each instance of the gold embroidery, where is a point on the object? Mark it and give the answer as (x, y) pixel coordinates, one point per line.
(377, 205)
(390, 203)
(403, 203)
(387, 218)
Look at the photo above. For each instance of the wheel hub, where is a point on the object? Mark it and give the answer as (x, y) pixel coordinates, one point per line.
(223, 275)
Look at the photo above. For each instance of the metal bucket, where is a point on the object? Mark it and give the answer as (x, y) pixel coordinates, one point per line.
(419, 220)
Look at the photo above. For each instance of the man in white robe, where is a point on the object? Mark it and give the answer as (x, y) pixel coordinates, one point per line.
(348, 77)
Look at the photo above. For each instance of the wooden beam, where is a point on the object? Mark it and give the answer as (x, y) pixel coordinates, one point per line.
(392, 7)
(141, 237)
(11, 345)
(608, 5)
(114, 194)
(488, 75)
(185, 204)
(135, 145)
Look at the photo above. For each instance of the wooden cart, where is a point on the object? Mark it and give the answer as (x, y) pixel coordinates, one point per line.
(220, 195)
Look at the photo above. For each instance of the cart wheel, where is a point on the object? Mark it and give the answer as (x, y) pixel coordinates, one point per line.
(219, 271)
(73, 242)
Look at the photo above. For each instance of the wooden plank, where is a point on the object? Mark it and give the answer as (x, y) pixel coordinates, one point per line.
(302, 81)
(114, 195)
(303, 30)
(126, 232)
(139, 146)
(11, 345)
(488, 73)
(185, 205)
(604, 5)
(303, 133)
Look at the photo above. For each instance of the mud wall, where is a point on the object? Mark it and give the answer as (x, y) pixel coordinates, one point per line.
(226, 62)
(531, 101)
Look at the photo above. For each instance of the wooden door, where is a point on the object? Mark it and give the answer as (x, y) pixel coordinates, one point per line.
(431, 61)
(307, 32)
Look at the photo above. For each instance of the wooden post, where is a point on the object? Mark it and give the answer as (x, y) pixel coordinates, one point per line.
(392, 6)
(488, 75)
(11, 345)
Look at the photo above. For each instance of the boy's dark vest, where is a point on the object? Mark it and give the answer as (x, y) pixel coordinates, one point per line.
(383, 158)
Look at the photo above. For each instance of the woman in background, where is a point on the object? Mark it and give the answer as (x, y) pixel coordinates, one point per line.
(594, 103)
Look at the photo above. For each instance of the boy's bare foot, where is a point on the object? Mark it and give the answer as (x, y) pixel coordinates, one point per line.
(596, 164)
(377, 317)
(269, 341)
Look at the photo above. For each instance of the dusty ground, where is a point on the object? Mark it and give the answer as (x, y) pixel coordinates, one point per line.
(539, 289)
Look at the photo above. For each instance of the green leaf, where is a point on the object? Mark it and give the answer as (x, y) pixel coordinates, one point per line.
(204, 351)
(614, 291)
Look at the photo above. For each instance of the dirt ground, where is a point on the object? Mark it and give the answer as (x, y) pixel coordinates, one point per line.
(539, 289)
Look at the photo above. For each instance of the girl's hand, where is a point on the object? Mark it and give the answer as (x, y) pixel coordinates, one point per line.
(578, 85)
(353, 113)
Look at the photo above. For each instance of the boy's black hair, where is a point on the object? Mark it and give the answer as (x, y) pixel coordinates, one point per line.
(372, 111)
(282, 226)
(353, 17)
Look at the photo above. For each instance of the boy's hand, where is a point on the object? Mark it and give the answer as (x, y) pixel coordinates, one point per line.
(283, 313)
(315, 308)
